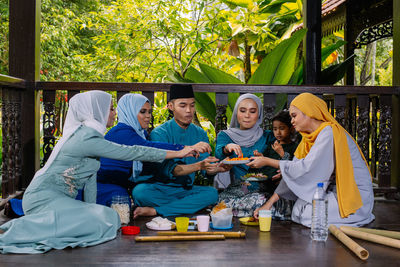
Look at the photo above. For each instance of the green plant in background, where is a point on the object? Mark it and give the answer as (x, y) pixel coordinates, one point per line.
(276, 68)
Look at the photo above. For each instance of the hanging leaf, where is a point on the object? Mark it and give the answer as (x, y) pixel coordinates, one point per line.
(234, 49)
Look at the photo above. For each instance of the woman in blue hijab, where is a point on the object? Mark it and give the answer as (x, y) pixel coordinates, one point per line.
(117, 177)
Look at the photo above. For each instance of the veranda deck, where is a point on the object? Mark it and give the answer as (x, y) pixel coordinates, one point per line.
(288, 244)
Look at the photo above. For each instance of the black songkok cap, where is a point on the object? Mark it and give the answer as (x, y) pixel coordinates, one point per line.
(180, 91)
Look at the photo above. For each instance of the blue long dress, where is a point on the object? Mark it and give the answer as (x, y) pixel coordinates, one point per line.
(175, 195)
(54, 219)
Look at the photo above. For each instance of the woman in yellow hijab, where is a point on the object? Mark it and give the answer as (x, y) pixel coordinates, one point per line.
(327, 154)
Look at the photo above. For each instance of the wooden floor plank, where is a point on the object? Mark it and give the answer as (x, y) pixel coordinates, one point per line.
(288, 244)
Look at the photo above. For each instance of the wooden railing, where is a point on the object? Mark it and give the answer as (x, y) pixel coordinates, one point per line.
(366, 112)
(11, 95)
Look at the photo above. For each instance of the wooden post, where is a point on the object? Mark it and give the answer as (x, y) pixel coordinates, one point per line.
(349, 46)
(395, 174)
(312, 55)
(24, 62)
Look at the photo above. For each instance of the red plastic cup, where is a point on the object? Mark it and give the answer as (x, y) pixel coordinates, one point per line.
(130, 230)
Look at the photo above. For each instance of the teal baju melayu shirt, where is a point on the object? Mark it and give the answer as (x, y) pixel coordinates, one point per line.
(54, 219)
(174, 195)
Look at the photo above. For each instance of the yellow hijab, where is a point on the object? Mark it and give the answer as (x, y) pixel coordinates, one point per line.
(349, 198)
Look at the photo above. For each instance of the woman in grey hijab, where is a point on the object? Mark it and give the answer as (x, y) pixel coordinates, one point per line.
(244, 138)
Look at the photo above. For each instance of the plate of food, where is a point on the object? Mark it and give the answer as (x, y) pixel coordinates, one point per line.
(254, 177)
(251, 221)
(234, 161)
(160, 224)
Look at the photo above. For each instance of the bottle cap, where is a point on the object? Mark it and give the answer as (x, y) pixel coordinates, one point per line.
(130, 230)
(320, 184)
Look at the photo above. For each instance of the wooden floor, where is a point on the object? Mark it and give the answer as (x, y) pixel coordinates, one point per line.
(288, 244)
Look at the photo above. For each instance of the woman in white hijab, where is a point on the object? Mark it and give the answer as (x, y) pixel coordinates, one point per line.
(54, 219)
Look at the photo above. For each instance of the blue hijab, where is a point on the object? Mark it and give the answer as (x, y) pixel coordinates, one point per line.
(128, 109)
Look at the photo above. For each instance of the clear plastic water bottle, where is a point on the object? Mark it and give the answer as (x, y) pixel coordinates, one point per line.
(319, 220)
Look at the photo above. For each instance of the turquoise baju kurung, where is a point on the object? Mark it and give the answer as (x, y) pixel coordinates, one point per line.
(54, 219)
(240, 170)
(174, 195)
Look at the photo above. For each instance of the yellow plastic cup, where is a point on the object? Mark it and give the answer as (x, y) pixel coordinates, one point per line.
(182, 224)
(264, 219)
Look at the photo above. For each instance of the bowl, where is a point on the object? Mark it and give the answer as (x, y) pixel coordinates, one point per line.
(221, 220)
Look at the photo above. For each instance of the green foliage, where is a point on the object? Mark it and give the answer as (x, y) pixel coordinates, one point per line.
(4, 37)
(277, 67)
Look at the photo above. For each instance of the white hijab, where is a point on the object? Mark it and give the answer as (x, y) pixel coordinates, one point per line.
(90, 109)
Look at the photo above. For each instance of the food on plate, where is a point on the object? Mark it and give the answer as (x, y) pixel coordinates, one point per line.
(233, 159)
(249, 221)
(220, 206)
(252, 219)
(160, 223)
(255, 175)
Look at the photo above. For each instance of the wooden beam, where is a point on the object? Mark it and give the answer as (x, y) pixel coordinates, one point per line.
(349, 46)
(219, 88)
(312, 55)
(395, 175)
(24, 62)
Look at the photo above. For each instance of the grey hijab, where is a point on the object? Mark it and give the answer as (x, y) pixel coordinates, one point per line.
(245, 138)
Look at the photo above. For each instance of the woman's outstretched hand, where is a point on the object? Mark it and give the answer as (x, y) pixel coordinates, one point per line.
(202, 147)
(233, 148)
(187, 151)
(268, 205)
(256, 162)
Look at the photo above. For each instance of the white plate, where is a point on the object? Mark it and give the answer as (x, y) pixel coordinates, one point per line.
(254, 179)
(152, 227)
(235, 162)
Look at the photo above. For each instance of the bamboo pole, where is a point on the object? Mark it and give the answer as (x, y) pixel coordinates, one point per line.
(391, 234)
(371, 237)
(179, 238)
(361, 252)
(226, 234)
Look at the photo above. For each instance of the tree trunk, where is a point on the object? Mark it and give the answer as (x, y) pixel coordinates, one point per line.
(247, 65)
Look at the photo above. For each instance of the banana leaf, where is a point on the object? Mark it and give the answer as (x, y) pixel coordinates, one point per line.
(335, 73)
(218, 76)
(297, 76)
(326, 51)
(274, 6)
(277, 67)
(205, 102)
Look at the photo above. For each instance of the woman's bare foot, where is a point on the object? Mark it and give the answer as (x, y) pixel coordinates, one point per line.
(144, 211)
(1, 232)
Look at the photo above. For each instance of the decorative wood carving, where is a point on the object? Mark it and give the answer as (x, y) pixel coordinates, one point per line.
(384, 140)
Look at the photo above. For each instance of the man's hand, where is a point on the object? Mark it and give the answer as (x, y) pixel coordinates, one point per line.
(257, 154)
(229, 148)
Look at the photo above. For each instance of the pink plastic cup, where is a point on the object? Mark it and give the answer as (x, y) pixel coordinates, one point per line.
(203, 221)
